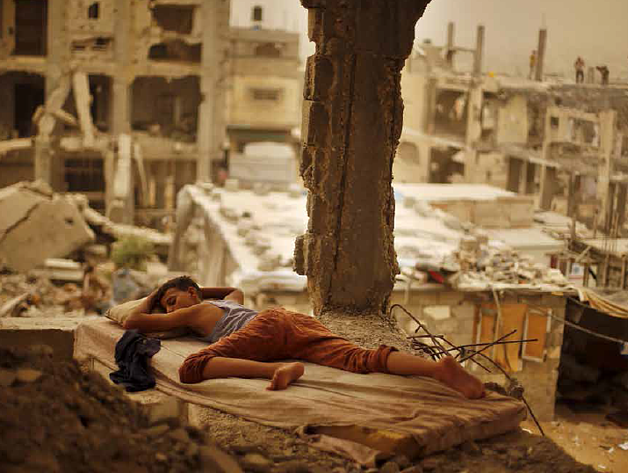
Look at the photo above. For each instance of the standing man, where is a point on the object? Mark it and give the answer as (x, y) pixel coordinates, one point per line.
(579, 66)
(604, 71)
(532, 64)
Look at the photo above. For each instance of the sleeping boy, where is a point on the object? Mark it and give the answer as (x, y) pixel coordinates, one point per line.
(249, 344)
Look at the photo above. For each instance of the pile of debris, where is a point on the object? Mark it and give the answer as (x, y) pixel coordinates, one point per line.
(55, 255)
(483, 264)
(491, 266)
(56, 418)
(27, 295)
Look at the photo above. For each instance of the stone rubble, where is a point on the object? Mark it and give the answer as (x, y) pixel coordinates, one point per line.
(36, 224)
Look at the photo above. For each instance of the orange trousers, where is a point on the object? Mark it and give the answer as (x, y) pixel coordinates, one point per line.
(278, 334)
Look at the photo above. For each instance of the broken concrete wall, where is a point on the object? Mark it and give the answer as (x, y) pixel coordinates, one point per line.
(263, 101)
(352, 120)
(35, 225)
(512, 121)
(91, 26)
(492, 169)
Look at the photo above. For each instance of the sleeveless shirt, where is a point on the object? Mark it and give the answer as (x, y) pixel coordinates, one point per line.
(235, 317)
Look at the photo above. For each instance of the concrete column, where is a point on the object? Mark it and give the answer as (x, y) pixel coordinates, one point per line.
(549, 186)
(56, 66)
(573, 195)
(620, 208)
(212, 108)
(608, 149)
(546, 192)
(540, 55)
(474, 130)
(451, 32)
(352, 121)
(479, 52)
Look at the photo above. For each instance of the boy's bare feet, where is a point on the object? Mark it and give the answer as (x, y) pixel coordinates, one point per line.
(456, 377)
(286, 375)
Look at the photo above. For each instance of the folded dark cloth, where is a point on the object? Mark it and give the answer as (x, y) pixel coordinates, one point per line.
(133, 353)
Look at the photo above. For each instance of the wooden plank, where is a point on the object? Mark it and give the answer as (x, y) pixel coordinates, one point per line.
(83, 99)
(513, 317)
(488, 315)
(536, 327)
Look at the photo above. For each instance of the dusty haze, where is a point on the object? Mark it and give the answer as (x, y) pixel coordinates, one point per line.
(596, 30)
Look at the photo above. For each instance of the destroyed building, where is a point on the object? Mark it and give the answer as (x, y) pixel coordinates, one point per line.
(127, 101)
(561, 142)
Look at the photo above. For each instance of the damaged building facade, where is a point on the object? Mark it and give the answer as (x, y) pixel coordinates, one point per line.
(127, 101)
(562, 143)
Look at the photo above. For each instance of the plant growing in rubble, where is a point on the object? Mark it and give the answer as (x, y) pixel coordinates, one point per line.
(132, 252)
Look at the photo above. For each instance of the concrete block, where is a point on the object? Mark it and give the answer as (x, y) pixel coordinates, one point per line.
(57, 333)
(16, 202)
(53, 227)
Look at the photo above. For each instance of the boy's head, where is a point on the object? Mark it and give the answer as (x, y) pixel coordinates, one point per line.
(177, 293)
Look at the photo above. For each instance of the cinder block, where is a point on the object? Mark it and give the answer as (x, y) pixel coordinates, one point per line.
(57, 333)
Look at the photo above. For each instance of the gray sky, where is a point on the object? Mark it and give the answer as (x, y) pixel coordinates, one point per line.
(595, 29)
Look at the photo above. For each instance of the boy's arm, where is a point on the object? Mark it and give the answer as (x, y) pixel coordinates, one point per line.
(145, 322)
(226, 293)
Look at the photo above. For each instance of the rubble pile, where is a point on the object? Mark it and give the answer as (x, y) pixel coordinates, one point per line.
(36, 224)
(56, 418)
(478, 263)
(39, 228)
(25, 295)
(488, 265)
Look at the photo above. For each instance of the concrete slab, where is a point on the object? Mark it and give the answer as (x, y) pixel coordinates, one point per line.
(58, 333)
(35, 226)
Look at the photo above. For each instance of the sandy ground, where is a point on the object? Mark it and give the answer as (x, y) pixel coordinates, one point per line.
(588, 437)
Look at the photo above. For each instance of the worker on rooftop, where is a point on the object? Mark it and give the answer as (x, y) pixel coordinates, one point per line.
(579, 66)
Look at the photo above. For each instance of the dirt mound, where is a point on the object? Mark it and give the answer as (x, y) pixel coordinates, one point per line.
(55, 418)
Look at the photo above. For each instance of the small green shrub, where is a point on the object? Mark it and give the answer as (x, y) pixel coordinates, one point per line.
(132, 252)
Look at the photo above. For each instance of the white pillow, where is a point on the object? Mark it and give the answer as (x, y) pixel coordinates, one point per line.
(121, 312)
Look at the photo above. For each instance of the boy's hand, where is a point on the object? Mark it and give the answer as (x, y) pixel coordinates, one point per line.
(151, 301)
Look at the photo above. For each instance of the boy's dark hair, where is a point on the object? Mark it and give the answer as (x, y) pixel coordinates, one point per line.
(182, 283)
